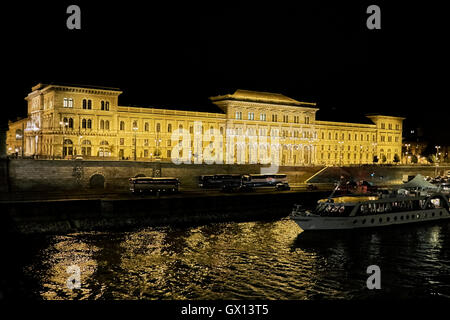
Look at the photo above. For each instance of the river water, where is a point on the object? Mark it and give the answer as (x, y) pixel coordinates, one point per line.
(250, 260)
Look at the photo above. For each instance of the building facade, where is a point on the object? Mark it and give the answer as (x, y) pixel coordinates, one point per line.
(255, 127)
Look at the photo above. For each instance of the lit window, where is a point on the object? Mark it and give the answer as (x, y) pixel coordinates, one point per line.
(68, 103)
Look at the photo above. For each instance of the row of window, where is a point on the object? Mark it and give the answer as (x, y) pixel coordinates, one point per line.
(383, 126)
(86, 124)
(86, 104)
(262, 117)
(343, 136)
(356, 148)
(383, 139)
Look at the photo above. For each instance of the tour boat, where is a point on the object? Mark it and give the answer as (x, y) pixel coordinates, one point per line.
(367, 211)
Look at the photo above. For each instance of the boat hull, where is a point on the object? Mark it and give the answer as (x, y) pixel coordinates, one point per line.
(309, 223)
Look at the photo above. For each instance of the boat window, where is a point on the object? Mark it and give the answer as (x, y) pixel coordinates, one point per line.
(333, 210)
(436, 203)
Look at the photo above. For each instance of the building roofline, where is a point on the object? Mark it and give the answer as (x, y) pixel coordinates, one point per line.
(261, 97)
(373, 115)
(73, 85)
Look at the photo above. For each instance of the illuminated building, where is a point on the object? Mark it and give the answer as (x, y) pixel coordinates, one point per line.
(65, 121)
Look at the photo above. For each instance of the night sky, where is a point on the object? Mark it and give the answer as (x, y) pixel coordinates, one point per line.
(176, 55)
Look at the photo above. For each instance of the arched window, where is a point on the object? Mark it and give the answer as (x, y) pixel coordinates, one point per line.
(84, 104)
(221, 130)
(86, 149)
(102, 124)
(158, 127)
(65, 122)
(70, 123)
(89, 124)
(68, 141)
(135, 125)
(83, 123)
(107, 124)
(180, 127)
(19, 134)
(102, 105)
(169, 127)
(104, 151)
(89, 104)
(146, 126)
(122, 125)
(107, 105)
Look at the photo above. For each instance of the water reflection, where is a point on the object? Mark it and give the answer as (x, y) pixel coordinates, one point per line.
(253, 260)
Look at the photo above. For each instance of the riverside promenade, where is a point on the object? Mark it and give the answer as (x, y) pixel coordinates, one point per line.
(121, 211)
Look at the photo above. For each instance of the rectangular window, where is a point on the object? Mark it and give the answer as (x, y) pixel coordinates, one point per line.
(146, 153)
(238, 115)
(262, 117)
(306, 120)
(122, 141)
(390, 126)
(274, 118)
(251, 116)
(68, 103)
(383, 126)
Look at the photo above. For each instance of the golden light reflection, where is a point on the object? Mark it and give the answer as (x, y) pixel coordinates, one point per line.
(68, 251)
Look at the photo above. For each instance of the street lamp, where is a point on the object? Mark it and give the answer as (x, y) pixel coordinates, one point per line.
(135, 128)
(341, 143)
(407, 145)
(437, 159)
(79, 144)
(360, 154)
(157, 144)
(64, 125)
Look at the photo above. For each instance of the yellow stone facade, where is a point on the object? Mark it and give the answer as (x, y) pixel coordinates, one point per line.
(255, 127)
